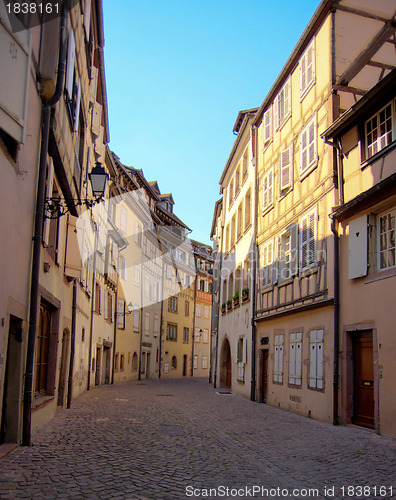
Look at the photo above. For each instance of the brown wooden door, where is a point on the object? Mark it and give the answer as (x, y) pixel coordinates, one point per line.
(363, 389)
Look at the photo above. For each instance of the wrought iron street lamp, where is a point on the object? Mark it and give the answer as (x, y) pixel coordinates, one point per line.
(130, 310)
(56, 206)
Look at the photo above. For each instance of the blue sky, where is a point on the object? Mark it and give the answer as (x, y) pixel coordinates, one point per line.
(178, 72)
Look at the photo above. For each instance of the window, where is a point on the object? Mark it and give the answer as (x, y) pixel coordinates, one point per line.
(231, 193)
(308, 146)
(266, 269)
(174, 363)
(205, 336)
(83, 334)
(227, 239)
(121, 317)
(238, 280)
(156, 326)
(197, 335)
(147, 324)
(98, 298)
(267, 126)
(137, 274)
(186, 308)
(386, 240)
(282, 104)
(286, 168)
(206, 311)
(278, 359)
(308, 230)
(246, 272)
(195, 361)
(240, 221)
(204, 362)
(110, 307)
(231, 287)
(172, 304)
(233, 223)
(171, 332)
(237, 181)
(379, 131)
(123, 268)
(116, 357)
(123, 220)
(135, 321)
(202, 285)
(268, 191)
(242, 350)
(316, 359)
(307, 68)
(198, 310)
(288, 253)
(134, 366)
(245, 166)
(248, 203)
(185, 335)
(295, 358)
(43, 350)
(122, 362)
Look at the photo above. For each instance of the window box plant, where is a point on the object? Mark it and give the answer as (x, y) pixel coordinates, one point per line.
(229, 305)
(245, 294)
(236, 298)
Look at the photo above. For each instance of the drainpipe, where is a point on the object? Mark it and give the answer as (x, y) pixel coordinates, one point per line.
(93, 297)
(38, 232)
(141, 312)
(161, 319)
(254, 327)
(334, 229)
(193, 332)
(116, 312)
(72, 345)
(218, 313)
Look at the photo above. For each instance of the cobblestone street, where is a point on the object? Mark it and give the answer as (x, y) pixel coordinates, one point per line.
(168, 439)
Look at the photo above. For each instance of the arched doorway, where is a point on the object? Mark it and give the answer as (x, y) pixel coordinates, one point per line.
(225, 365)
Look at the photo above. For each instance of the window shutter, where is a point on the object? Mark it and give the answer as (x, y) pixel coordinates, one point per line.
(312, 238)
(268, 125)
(77, 109)
(244, 350)
(293, 250)
(265, 191)
(286, 164)
(276, 112)
(312, 359)
(312, 142)
(50, 187)
(276, 359)
(308, 239)
(280, 366)
(105, 305)
(310, 63)
(319, 360)
(303, 70)
(303, 147)
(357, 247)
(100, 299)
(71, 52)
(298, 358)
(270, 187)
(287, 102)
(292, 359)
(275, 260)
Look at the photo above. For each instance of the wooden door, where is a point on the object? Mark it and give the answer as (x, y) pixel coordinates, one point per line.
(184, 365)
(363, 387)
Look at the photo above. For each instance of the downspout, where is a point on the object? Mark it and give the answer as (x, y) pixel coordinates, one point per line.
(93, 297)
(38, 232)
(193, 332)
(161, 320)
(141, 313)
(254, 327)
(218, 313)
(116, 313)
(334, 229)
(72, 345)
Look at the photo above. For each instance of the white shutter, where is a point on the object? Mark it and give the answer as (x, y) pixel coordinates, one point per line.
(312, 359)
(71, 52)
(105, 305)
(280, 366)
(244, 350)
(293, 249)
(303, 74)
(77, 109)
(308, 227)
(292, 358)
(287, 101)
(312, 142)
(303, 149)
(276, 359)
(298, 358)
(275, 260)
(319, 359)
(286, 167)
(357, 247)
(267, 132)
(276, 112)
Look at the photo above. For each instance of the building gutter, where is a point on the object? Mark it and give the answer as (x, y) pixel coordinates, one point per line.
(38, 231)
(334, 229)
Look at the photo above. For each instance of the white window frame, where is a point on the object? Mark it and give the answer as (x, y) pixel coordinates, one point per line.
(295, 359)
(307, 64)
(383, 140)
(282, 105)
(286, 168)
(136, 320)
(308, 229)
(121, 314)
(278, 359)
(388, 248)
(147, 324)
(288, 253)
(268, 190)
(204, 363)
(308, 147)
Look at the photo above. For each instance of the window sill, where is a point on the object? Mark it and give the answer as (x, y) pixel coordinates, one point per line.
(267, 209)
(378, 155)
(310, 169)
(41, 402)
(286, 281)
(381, 275)
(247, 228)
(308, 271)
(266, 144)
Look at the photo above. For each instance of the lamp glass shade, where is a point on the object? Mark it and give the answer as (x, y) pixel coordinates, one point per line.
(98, 178)
(130, 307)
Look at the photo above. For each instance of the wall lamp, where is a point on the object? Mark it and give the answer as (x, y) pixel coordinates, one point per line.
(55, 207)
(130, 310)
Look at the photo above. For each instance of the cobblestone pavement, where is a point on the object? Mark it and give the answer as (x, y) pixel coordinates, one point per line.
(170, 439)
